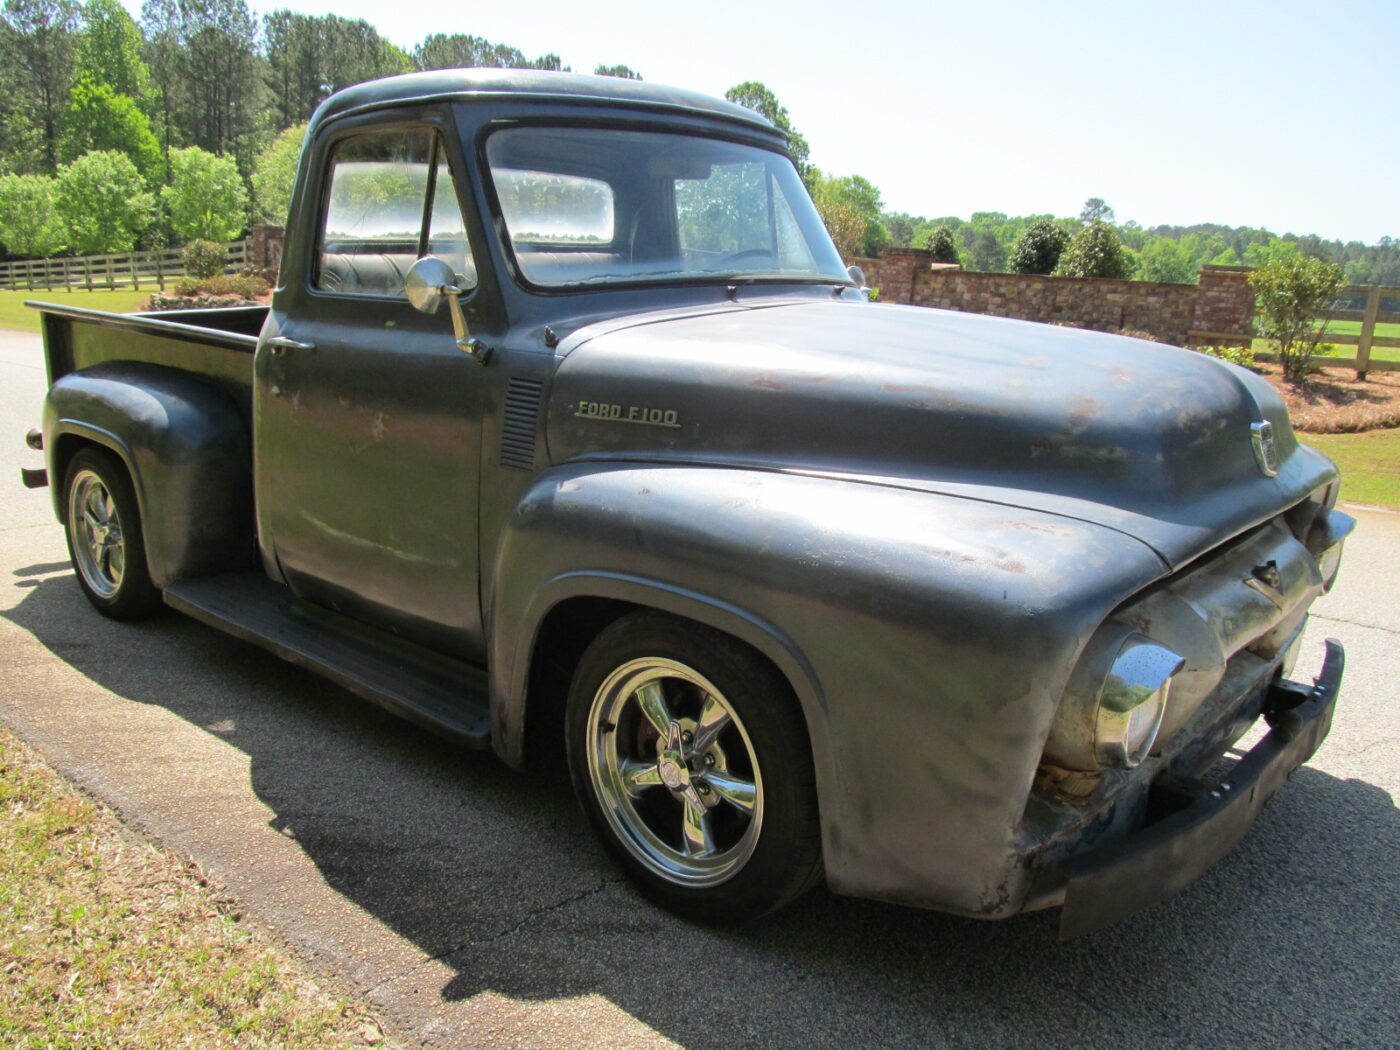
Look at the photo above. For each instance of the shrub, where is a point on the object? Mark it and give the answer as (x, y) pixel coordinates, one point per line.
(1095, 251)
(29, 224)
(102, 202)
(1236, 355)
(241, 286)
(244, 286)
(1039, 247)
(1289, 294)
(201, 301)
(203, 259)
(205, 198)
(943, 245)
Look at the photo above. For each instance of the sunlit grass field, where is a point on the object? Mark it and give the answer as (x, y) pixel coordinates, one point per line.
(16, 316)
(1370, 464)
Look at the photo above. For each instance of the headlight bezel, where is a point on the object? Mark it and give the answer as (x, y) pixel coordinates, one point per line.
(1140, 675)
(1115, 702)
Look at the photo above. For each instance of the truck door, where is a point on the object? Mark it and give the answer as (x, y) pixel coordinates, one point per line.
(368, 417)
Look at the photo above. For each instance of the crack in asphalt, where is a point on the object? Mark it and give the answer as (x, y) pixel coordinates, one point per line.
(1356, 623)
(500, 935)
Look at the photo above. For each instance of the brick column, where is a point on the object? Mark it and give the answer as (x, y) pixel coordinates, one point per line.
(1224, 310)
(898, 270)
(267, 247)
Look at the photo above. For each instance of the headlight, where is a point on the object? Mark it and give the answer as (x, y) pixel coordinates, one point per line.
(1113, 705)
(1133, 701)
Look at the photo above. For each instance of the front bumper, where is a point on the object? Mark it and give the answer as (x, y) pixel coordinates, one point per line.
(1109, 884)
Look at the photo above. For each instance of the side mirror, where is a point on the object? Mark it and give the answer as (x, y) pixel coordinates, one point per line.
(428, 282)
(856, 274)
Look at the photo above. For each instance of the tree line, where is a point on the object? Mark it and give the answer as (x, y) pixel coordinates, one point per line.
(188, 123)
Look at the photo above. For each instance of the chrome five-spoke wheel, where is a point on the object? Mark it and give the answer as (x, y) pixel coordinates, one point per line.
(103, 527)
(674, 771)
(96, 528)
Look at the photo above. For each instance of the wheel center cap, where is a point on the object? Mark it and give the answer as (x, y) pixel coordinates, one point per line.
(674, 774)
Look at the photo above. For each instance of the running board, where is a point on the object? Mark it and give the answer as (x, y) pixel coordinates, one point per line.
(443, 695)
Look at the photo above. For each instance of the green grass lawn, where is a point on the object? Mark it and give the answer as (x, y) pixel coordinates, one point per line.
(15, 315)
(1370, 464)
(108, 941)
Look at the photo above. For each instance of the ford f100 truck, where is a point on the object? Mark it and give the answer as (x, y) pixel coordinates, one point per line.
(568, 433)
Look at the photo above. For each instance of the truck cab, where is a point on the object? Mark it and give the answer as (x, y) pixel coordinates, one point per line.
(567, 432)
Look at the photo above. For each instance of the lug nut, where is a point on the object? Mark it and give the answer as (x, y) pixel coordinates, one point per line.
(704, 789)
(709, 760)
(687, 738)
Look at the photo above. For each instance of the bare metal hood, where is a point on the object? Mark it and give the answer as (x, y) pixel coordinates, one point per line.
(1146, 439)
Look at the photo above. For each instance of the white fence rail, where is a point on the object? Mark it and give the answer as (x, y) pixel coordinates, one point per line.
(122, 270)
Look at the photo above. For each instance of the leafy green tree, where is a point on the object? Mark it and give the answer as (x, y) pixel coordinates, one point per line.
(108, 51)
(846, 225)
(97, 118)
(1261, 254)
(205, 199)
(29, 225)
(943, 245)
(205, 71)
(1164, 259)
(102, 203)
(858, 194)
(1095, 210)
(1289, 294)
(310, 57)
(39, 49)
(274, 174)
(625, 72)
(1039, 247)
(458, 51)
(752, 94)
(1095, 251)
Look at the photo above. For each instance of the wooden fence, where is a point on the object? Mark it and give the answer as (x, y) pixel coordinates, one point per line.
(123, 270)
(1369, 305)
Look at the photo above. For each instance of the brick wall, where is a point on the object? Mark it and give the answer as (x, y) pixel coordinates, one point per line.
(1221, 304)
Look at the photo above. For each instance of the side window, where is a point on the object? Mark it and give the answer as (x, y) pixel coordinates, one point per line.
(381, 217)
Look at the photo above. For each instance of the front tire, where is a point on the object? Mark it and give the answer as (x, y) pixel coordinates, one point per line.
(690, 757)
(103, 527)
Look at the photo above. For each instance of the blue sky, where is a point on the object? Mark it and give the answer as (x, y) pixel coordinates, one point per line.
(1239, 112)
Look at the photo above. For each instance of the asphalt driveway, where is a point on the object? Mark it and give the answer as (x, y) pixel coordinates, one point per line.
(471, 906)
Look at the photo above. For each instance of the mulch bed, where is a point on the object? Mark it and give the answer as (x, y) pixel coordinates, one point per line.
(1333, 402)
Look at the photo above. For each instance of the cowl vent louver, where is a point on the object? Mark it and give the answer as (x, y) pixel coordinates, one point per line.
(520, 423)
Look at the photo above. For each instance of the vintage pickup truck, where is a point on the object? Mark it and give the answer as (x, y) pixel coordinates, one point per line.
(568, 433)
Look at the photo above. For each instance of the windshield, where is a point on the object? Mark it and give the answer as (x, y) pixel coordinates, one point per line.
(589, 206)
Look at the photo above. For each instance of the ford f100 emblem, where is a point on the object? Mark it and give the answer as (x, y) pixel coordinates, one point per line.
(1265, 454)
(603, 410)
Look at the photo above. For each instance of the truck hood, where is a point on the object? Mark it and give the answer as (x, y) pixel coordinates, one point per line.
(1146, 439)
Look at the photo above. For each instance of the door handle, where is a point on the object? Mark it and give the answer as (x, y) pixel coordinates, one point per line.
(280, 344)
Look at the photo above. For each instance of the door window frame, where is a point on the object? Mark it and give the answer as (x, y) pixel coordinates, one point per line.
(440, 125)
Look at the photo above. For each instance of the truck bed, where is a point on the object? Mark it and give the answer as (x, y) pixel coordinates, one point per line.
(215, 343)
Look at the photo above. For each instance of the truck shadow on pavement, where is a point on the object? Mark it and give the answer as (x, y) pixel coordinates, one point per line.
(498, 875)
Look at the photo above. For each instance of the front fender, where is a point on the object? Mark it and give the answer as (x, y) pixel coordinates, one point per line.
(928, 639)
(186, 447)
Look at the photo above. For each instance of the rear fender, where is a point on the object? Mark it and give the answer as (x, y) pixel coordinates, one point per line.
(186, 448)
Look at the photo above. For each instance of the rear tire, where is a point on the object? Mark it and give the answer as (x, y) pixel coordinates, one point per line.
(103, 528)
(690, 757)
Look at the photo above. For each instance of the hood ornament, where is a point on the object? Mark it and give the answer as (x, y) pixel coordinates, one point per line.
(1265, 451)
